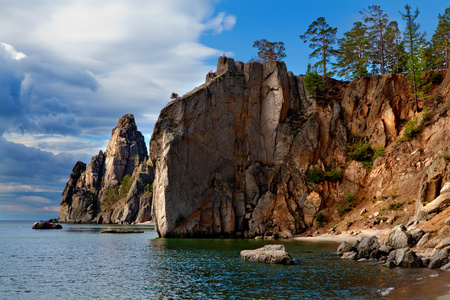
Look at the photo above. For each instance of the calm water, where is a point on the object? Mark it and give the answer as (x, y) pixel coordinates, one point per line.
(80, 263)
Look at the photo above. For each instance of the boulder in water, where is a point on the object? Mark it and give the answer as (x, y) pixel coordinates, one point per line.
(270, 254)
(46, 225)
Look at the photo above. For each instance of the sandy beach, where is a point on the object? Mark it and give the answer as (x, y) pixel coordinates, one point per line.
(347, 236)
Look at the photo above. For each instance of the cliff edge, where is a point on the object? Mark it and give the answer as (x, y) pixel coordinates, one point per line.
(250, 153)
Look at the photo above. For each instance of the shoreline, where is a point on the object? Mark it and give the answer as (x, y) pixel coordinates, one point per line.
(344, 236)
(352, 237)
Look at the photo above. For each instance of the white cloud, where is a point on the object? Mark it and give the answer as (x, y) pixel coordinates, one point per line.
(87, 63)
(222, 22)
(34, 200)
(12, 51)
(14, 187)
(58, 144)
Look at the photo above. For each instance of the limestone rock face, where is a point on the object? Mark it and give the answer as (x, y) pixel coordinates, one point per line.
(231, 156)
(97, 193)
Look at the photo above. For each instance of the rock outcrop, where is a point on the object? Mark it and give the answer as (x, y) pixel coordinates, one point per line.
(233, 156)
(116, 186)
(269, 254)
(46, 225)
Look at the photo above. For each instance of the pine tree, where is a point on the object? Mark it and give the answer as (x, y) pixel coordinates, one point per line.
(413, 39)
(352, 54)
(441, 41)
(321, 37)
(377, 23)
(395, 49)
(268, 51)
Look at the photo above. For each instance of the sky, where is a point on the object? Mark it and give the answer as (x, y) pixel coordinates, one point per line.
(70, 69)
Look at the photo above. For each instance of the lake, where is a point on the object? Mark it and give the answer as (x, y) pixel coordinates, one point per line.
(78, 262)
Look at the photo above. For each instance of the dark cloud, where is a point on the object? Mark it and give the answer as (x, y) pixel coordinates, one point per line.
(32, 94)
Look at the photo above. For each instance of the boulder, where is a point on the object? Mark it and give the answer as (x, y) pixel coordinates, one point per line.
(424, 239)
(440, 259)
(270, 254)
(445, 188)
(366, 245)
(405, 258)
(344, 247)
(443, 244)
(437, 204)
(349, 255)
(46, 225)
(396, 238)
(416, 234)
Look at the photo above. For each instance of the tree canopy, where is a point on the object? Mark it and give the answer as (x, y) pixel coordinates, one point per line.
(268, 51)
(321, 37)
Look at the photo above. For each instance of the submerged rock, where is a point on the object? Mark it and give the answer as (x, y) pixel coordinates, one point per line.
(116, 230)
(269, 254)
(46, 225)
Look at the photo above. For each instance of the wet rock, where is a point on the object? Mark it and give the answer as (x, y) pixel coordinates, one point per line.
(349, 255)
(366, 245)
(344, 247)
(46, 225)
(405, 258)
(270, 254)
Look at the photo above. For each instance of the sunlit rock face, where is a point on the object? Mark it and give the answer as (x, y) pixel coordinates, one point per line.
(96, 193)
(231, 156)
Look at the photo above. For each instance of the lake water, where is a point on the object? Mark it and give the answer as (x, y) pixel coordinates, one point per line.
(78, 262)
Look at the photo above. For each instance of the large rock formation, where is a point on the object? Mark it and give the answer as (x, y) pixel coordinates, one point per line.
(232, 156)
(116, 186)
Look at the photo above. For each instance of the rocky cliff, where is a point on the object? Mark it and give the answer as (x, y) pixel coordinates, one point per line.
(116, 186)
(251, 153)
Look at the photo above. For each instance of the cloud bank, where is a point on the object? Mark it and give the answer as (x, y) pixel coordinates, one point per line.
(71, 69)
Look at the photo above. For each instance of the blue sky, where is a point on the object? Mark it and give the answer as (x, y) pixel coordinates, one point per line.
(70, 69)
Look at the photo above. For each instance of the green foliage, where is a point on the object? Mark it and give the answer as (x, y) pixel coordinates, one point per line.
(315, 175)
(361, 151)
(314, 83)
(352, 53)
(446, 157)
(441, 41)
(412, 129)
(334, 175)
(395, 205)
(269, 51)
(349, 204)
(377, 25)
(125, 185)
(379, 151)
(436, 78)
(382, 219)
(320, 218)
(148, 189)
(111, 197)
(321, 37)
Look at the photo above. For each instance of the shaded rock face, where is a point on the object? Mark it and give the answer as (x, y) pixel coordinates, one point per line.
(98, 193)
(231, 156)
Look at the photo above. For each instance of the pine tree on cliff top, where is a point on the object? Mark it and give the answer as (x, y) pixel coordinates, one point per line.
(413, 39)
(268, 51)
(441, 41)
(321, 37)
(352, 54)
(377, 23)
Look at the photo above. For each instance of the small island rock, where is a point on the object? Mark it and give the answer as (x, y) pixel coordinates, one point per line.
(46, 225)
(270, 254)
